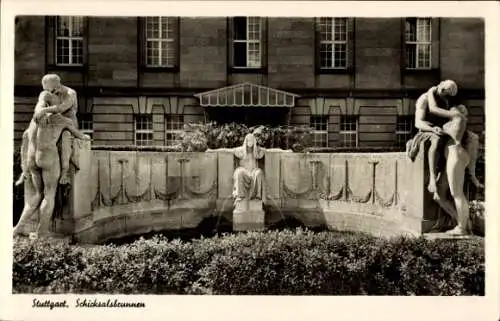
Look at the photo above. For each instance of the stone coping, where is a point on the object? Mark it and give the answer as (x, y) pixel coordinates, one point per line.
(309, 150)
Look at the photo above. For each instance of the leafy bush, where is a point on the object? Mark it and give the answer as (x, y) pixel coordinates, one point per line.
(476, 212)
(365, 149)
(275, 262)
(200, 136)
(147, 148)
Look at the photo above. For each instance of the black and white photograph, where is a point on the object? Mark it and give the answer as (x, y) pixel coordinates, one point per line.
(166, 154)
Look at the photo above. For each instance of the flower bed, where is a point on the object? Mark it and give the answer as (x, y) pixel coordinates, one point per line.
(287, 262)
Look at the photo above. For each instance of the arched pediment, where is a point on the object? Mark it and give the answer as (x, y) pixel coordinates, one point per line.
(246, 95)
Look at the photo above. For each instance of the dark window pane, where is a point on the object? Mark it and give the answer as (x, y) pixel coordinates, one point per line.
(63, 27)
(246, 96)
(172, 136)
(240, 54)
(319, 122)
(144, 138)
(411, 29)
(240, 28)
(405, 123)
(340, 29)
(326, 55)
(411, 57)
(63, 51)
(340, 55)
(401, 139)
(325, 28)
(424, 56)
(77, 51)
(174, 122)
(153, 27)
(239, 97)
(348, 123)
(77, 26)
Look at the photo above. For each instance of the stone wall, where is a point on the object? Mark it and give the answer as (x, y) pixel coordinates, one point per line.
(375, 54)
(375, 193)
(113, 79)
(124, 193)
(139, 192)
(113, 117)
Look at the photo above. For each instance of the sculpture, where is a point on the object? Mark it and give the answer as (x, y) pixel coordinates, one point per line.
(248, 177)
(55, 98)
(449, 138)
(44, 166)
(248, 187)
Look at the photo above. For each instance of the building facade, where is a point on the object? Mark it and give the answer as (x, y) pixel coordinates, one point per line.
(354, 80)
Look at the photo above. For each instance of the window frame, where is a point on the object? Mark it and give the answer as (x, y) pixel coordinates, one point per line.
(70, 38)
(82, 121)
(314, 131)
(142, 45)
(51, 24)
(350, 39)
(349, 132)
(262, 45)
(409, 132)
(434, 72)
(180, 120)
(418, 43)
(137, 117)
(332, 24)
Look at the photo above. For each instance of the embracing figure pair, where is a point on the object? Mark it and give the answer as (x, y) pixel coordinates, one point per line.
(452, 150)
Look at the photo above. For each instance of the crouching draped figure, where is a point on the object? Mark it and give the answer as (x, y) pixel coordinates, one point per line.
(248, 178)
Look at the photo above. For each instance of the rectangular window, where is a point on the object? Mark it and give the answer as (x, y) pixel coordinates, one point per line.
(349, 131)
(333, 43)
(160, 42)
(319, 124)
(143, 130)
(247, 42)
(173, 127)
(86, 123)
(69, 41)
(418, 43)
(404, 130)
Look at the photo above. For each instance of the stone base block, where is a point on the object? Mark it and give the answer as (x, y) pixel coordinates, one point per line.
(248, 221)
(248, 216)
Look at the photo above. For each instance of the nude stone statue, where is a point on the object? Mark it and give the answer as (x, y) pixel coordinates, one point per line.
(452, 149)
(41, 163)
(55, 98)
(248, 177)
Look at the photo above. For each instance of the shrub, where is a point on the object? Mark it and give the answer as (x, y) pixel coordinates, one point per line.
(476, 211)
(197, 137)
(17, 191)
(275, 262)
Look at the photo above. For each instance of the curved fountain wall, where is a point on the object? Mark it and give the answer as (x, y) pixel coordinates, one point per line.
(123, 193)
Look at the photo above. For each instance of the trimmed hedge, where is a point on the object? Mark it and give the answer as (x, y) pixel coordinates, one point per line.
(277, 262)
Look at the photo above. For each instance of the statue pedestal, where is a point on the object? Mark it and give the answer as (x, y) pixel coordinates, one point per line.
(248, 215)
